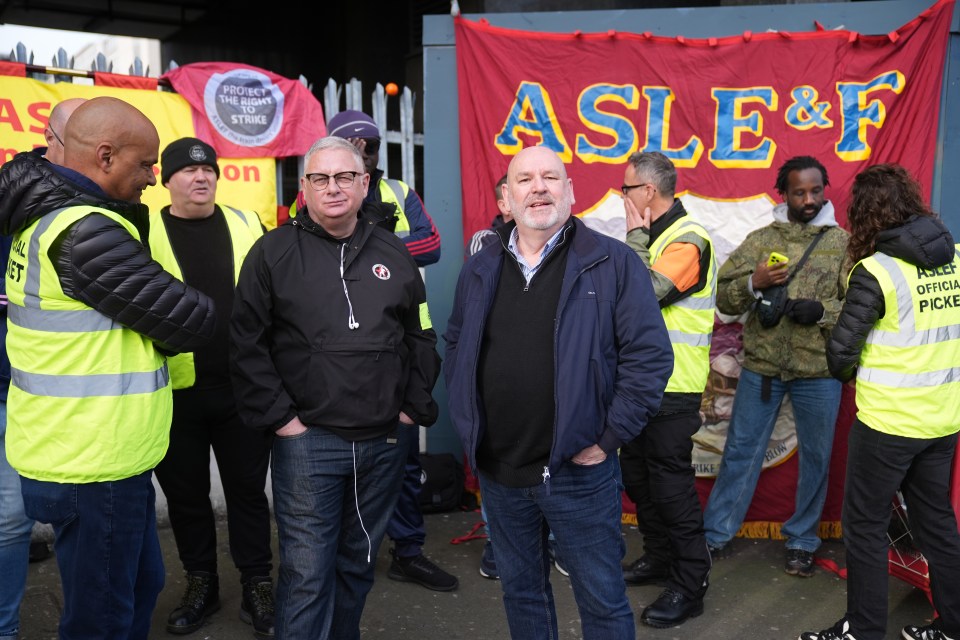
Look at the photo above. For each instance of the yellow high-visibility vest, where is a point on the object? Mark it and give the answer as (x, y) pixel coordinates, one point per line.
(908, 382)
(89, 399)
(245, 229)
(689, 321)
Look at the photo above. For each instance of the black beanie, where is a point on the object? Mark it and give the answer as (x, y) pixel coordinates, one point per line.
(186, 152)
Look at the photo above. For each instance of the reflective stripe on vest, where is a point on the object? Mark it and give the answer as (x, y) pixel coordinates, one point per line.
(689, 321)
(89, 400)
(908, 382)
(244, 228)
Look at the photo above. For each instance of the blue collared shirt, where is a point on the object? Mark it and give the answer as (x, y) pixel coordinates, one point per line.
(529, 270)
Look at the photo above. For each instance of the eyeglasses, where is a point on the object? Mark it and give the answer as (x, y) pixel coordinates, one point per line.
(625, 188)
(344, 179)
(53, 131)
(372, 146)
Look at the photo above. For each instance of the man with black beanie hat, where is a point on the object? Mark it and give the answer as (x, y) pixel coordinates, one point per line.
(204, 244)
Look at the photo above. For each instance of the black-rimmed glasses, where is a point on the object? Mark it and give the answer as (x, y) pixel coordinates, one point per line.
(344, 179)
(54, 132)
(625, 188)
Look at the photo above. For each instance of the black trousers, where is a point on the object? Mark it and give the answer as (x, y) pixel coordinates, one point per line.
(877, 465)
(658, 476)
(205, 418)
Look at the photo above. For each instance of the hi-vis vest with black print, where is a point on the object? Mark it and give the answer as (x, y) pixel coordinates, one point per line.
(89, 399)
(908, 382)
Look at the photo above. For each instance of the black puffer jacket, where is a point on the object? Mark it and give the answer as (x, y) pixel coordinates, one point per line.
(921, 241)
(99, 263)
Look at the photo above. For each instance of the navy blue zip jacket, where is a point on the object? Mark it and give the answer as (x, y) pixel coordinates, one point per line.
(612, 353)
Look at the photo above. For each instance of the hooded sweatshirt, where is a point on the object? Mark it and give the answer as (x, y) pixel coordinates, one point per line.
(788, 350)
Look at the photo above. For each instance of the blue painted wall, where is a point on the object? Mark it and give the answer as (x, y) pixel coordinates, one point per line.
(442, 146)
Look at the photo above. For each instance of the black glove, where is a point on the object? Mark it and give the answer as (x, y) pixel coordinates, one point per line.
(804, 311)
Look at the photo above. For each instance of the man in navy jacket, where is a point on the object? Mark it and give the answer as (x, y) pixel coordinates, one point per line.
(551, 297)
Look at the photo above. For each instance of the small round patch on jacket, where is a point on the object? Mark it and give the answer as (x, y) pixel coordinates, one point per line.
(381, 271)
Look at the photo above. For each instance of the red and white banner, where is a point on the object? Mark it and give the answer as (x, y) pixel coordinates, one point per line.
(244, 111)
(728, 111)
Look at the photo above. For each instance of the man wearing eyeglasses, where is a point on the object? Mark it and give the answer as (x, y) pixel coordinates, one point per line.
(52, 133)
(657, 467)
(333, 351)
(16, 547)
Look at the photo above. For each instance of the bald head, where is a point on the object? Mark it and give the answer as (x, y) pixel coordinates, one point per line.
(538, 191)
(53, 133)
(113, 144)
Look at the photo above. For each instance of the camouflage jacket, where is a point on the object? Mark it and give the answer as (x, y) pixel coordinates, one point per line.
(788, 350)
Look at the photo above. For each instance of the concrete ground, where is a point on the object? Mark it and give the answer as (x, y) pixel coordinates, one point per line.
(750, 597)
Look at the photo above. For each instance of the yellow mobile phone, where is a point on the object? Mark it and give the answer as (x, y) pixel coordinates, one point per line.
(776, 258)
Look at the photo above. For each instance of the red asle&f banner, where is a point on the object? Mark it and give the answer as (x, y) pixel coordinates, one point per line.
(728, 111)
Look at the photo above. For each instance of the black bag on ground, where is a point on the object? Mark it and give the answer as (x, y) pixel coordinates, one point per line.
(771, 305)
(441, 482)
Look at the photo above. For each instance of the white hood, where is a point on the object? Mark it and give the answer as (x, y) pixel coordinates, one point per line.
(824, 218)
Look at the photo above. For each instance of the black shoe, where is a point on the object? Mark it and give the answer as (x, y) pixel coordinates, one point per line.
(671, 609)
(644, 570)
(421, 571)
(839, 631)
(928, 632)
(39, 551)
(799, 563)
(256, 607)
(488, 563)
(719, 551)
(200, 599)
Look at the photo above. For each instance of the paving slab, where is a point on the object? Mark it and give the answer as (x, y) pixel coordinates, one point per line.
(750, 597)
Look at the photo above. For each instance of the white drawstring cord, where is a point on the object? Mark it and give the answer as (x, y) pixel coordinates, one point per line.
(352, 323)
(356, 499)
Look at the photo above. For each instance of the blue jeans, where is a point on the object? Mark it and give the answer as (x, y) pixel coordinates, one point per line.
(111, 566)
(815, 405)
(406, 527)
(581, 505)
(15, 529)
(332, 500)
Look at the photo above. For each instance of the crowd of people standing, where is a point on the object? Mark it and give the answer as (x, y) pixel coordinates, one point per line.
(138, 341)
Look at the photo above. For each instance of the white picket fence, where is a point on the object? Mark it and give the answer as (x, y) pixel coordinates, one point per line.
(350, 95)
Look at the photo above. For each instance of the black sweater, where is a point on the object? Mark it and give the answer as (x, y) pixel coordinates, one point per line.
(516, 372)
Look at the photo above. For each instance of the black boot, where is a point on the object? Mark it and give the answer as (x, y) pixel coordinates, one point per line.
(200, 599)
(256, 608)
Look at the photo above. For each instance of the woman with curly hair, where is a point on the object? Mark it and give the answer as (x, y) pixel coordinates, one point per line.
(899, 334)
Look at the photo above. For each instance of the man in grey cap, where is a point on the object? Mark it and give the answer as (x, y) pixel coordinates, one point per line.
(203, 244)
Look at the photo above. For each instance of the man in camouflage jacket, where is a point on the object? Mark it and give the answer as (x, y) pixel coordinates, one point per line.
(788, 358)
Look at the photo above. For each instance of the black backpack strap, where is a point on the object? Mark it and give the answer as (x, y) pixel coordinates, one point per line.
(806, 254)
